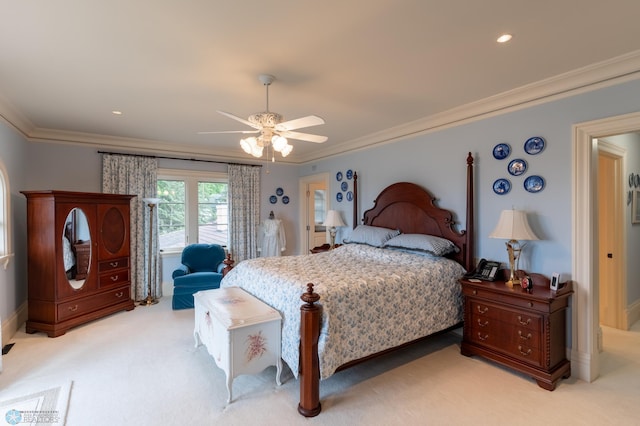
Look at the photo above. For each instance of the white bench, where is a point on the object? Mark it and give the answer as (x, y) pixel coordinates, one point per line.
(241, 332)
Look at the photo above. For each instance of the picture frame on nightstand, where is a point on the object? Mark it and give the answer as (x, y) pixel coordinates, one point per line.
(555, 281)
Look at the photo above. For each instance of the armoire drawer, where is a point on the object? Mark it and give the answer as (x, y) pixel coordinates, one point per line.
(91, 303)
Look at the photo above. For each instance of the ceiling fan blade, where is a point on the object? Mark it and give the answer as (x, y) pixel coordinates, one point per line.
(235, 117)
(303, 136)
(299, 123)
(230, 131)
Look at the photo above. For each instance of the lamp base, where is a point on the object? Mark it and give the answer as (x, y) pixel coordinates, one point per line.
(148, 301)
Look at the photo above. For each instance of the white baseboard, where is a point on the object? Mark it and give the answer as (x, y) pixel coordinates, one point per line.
(633, 314)
(11, 325)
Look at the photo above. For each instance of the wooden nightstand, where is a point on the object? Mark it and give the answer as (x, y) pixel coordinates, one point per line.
(519, 329)
(324, 247)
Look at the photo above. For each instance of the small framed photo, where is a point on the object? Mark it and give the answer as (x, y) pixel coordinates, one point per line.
(635, 206)
(555, 281)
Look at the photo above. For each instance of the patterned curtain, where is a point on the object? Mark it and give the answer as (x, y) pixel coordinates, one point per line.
(136, 175)
(244, 208)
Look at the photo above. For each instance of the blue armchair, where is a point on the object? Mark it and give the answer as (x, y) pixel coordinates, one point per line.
(203, 266)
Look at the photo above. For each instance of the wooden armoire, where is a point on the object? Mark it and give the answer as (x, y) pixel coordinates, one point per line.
(78, 246)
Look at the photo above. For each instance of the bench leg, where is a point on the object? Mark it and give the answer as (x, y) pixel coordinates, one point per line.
(278, 371)
(229, 387)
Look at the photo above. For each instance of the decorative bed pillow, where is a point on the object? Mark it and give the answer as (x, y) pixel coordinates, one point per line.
(429, 243)
(371, 235)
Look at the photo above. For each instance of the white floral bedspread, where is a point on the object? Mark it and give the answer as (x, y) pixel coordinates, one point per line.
(372, 299)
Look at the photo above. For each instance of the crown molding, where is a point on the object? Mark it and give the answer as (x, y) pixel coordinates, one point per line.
(603, 74)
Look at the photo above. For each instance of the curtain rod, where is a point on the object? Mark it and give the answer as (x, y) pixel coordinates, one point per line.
(177, 158)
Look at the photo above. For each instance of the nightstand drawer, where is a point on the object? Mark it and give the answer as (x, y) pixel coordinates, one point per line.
(512, 341)
(506, 298)
(482, 310)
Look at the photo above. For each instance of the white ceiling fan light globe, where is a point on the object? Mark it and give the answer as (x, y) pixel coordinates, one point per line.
(278, 142)
(257, 151)
(245, 145)
(286, 150)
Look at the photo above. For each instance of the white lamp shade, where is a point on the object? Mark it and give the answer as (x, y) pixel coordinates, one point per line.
(513, 225)
(333, 219)
(152, 200)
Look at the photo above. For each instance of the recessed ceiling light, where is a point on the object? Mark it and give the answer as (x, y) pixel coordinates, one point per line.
(115, 112)
(504, 38)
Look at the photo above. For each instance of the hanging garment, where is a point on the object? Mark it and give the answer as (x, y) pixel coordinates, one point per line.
(271, 239)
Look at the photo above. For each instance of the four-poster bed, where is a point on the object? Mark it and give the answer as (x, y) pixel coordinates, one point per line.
(367, 300)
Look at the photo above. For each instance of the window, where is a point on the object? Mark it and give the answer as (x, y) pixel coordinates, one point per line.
(5, 225)
(194, 208)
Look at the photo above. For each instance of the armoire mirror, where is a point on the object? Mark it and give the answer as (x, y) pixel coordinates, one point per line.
(76, 247)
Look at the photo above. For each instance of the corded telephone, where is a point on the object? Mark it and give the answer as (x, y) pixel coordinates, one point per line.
(486, 270)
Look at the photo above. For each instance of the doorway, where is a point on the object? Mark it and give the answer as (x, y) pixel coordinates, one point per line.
(585, 312)
(313, 207)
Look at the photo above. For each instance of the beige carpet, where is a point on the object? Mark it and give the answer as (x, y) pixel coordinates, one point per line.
(141, 368)
(47, 406)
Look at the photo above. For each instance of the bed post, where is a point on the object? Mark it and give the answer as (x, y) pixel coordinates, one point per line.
(469, 261)
(355, 200)
(310, 314)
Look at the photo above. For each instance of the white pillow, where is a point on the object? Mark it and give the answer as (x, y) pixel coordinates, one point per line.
(430, 243)
(371, 235)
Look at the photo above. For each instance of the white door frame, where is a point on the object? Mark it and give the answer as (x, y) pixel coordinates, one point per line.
(585, 326)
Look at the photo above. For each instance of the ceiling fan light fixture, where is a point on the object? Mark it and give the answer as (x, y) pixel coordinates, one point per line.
(246, 145)
(286, 150)
(279, 142)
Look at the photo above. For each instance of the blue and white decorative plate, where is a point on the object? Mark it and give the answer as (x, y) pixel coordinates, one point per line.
(339, 176)
(273, 199)
(344, 186)
(501, 186)
(279, 192)
(501, 151)
(534, 183)
(534, 145)
(349, 196)
(349, 174)
(285, 200)
(339, 196)
(517, 167)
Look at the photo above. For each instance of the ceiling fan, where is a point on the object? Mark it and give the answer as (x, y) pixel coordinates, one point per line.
(272, 129)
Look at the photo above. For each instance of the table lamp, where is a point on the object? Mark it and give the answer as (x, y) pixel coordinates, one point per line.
(513, 226)
(333, 220)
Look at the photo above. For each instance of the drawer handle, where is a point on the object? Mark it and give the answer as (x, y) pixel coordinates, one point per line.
(527, 337)
(527, 353)
(114, 264)
(119, 294)
(483, 324)
(531, 304)
(527, 322)
(73, 308)
(482, 310)
(486, 336)
(475, 292)
(114, 278)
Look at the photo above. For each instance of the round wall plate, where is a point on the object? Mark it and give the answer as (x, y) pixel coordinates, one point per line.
(534, 145)
(534, 183)
(501, 151)
(501, 186)
(517, 167)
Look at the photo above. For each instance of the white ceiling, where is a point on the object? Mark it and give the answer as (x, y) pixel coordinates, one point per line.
(364, 66)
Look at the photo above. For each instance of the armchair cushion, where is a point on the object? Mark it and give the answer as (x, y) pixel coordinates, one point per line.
(201, 269)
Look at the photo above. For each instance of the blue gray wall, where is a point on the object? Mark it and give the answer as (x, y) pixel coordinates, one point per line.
(435, 160)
